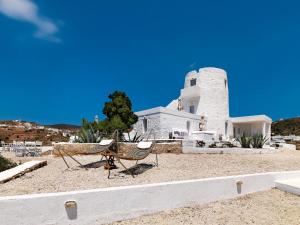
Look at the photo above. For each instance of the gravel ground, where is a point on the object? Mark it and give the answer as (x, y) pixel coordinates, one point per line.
(55, 178)
(264, 208)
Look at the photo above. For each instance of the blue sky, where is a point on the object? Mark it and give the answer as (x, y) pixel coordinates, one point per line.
(60, 59)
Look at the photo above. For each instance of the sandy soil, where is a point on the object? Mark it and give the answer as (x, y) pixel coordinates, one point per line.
(264, 208)
(55, 178)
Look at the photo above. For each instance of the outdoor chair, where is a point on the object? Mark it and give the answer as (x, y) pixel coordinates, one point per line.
(103, 146)
(22, 150)
(140, 152)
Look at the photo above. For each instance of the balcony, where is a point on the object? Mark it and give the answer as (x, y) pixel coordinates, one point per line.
(190, 92)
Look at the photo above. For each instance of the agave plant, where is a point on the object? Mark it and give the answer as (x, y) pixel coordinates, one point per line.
(245, 141)
(136, 138)
(88, 135)
(258, 141)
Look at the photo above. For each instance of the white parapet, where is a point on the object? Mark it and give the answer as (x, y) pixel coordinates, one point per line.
(106, 205)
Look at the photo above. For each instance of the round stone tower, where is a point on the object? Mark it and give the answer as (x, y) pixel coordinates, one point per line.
(205, 93)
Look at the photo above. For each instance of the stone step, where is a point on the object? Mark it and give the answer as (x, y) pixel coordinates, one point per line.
(292, 185)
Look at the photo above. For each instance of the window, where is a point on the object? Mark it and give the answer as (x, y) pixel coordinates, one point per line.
(225, 82)
(145, 125)
(192, 109)
(193, 82)
(226, 128)
(188, 126)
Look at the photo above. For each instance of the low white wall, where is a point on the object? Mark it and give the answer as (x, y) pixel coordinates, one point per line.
(291, 186)
(288, 146)
(119, 203)
(229, 150)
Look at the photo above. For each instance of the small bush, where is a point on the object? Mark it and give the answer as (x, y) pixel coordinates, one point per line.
(258, 141)
(6, 164)
(135, 139)
(212, 145)
(245, 141)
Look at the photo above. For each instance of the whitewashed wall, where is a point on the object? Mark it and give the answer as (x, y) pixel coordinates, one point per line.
(153, 122)
(163, 120)
(169, 121)
(214, 100)
(253, 128)
(106, 205)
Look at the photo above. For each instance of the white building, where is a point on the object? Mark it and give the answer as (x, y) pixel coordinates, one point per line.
(203, 105)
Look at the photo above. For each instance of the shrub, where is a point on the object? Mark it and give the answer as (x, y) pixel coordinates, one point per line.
(213, 145)
(245, 141)
(136, 138)
(6, 164)
(258, 141)
(87, 134)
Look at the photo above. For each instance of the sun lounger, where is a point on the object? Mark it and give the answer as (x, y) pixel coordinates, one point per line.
(140, 152)
(103, 146)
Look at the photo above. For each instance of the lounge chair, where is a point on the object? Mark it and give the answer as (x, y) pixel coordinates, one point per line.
(142, 150)
(20, 150)
(103, 146)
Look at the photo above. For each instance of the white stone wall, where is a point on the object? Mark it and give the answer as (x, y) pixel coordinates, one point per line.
(210, 98)
(169, 121)
(163, 121)
(214, 100)
(153, 122)
(253, 128)
(106, 205)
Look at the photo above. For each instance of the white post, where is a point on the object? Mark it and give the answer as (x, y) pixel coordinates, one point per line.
(264, 129)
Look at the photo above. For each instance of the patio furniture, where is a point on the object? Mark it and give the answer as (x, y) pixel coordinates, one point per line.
(104, 145)
(39, 143)
(22, 150)
(140, 152)
(6, 146)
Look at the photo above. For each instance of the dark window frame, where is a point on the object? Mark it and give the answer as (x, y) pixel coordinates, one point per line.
(193, 82)
(192, 107)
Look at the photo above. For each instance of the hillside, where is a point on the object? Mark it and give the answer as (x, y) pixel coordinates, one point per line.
(15, 130)
(286, 127)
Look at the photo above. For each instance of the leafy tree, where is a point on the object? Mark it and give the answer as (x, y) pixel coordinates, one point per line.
(119, 112)
(119, 115)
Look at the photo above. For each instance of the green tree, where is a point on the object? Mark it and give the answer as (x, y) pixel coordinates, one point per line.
(118, 112)
(119, 116)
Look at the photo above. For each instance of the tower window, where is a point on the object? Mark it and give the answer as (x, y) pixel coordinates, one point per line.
(145, 125)
(193, 82)
(225, 82)
(192, 109)
(188, 126)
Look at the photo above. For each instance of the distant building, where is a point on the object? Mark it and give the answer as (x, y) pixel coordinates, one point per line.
(203, 105)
